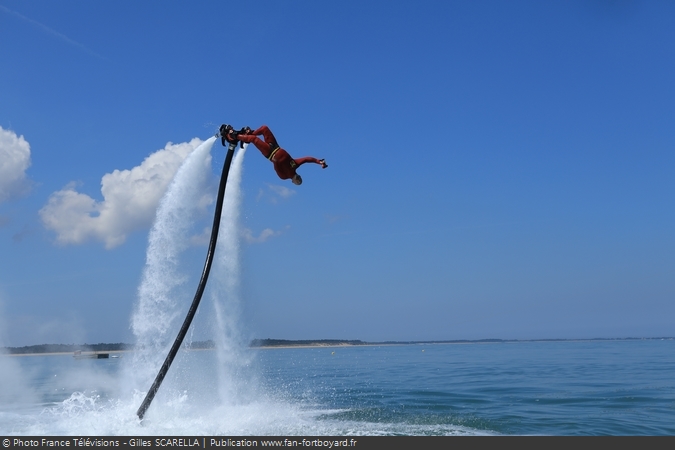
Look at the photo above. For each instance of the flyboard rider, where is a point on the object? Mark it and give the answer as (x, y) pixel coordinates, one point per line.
(284, 165)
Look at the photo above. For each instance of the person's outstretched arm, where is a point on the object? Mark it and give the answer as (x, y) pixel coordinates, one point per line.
(306, 159)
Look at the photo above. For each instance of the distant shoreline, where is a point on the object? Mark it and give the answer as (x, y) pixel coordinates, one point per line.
(264, 344)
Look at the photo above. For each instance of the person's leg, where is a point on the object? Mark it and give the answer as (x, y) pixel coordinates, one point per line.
(267, 135)
(264, 147)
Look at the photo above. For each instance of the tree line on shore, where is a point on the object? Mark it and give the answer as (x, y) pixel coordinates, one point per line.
(258, 343)
(98, 348)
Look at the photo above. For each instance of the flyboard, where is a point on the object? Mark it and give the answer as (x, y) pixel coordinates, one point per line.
(205, 275)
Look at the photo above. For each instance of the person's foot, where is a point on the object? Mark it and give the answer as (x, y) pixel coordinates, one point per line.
(233, 136)
(323, 163)
(225, 129)
(246, 130)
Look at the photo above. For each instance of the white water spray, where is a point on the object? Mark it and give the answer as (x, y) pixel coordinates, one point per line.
(224, 288)
(161, 292)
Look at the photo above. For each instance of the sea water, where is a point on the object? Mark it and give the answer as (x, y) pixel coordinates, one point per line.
(623, 387)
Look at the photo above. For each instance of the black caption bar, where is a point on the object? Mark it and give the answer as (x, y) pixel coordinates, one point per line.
(339, 442)
(179, 442)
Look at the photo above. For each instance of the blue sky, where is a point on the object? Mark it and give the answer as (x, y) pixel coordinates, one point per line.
(496, 169)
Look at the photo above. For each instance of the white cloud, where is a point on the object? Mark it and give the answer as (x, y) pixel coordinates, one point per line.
(281, 191)
(264, 235)
(130, 200)
(331, 219)
(275, 192)
(14, 160)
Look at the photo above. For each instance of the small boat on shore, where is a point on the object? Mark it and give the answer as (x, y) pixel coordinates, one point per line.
(90, 355)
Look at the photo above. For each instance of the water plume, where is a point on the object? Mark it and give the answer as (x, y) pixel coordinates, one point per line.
(225, 289)
(161, 292)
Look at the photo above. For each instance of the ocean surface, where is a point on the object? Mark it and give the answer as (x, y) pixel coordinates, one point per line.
(624, 387)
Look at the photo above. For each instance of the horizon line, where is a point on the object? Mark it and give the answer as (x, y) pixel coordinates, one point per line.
(357, 342)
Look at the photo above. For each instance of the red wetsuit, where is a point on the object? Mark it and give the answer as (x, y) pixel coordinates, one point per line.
(284, 165)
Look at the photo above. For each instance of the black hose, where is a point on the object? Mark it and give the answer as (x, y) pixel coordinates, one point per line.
(200, 289)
